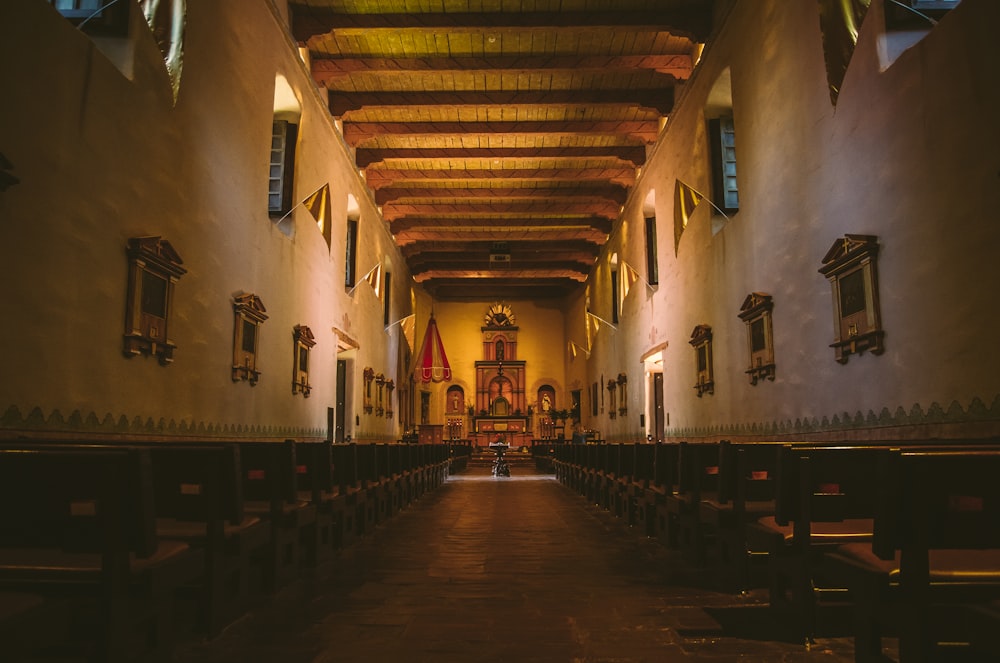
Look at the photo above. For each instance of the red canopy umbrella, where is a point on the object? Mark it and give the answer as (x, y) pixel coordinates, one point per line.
(432, 364)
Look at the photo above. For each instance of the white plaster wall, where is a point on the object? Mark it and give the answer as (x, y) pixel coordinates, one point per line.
(908, 154)
(102, 158)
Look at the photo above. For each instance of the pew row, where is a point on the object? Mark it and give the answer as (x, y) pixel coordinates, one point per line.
(80, 526)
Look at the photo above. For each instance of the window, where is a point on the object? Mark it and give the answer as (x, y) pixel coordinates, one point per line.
(351, 248)
(906, 23)
(97, 17)
(652, 269)
(387, 289)
(614, 296)
(723, 143)
(304, 342)
(701, 341)
(249, 315)
(756, 314)
(282, 166)
(850, 267)
(916, 14)
(154, 267)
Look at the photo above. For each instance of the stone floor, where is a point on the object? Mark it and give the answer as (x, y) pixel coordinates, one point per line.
(517, 569)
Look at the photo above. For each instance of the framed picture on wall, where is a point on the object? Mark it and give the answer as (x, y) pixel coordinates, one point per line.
(851, 268)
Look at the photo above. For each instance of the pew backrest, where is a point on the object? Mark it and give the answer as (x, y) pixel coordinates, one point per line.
(96, 501)
(933, 500)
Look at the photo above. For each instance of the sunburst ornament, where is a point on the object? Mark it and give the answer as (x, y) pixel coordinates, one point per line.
(499, 315)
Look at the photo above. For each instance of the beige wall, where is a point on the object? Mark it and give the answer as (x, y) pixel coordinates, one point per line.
(102, 158)
(908, 155)
(904, 156)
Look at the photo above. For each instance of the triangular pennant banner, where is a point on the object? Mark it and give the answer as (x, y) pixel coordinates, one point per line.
(318, 204)
(374, 279)
(631, 278)
(685, 200)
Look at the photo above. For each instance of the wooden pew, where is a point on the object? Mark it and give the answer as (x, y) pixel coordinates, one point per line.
(315, 484)
(697, 479)
(662, 485)
(745, 494)
(935, 553)
(198, 497)
(824, 497)
(345, 465)
(199, 500)
(81, 523)
(271, 493)
(643, 469)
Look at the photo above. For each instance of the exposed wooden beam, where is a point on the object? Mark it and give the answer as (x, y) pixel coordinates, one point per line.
(541, 248)
(392, 212)
(400, 225)
(515, 268)
(501, 233)
(343, 104)
(506, 289)
(694, 22)
(573, 274)
(675, 66)
(423, 259)
(378, 178)
(582, 193)
(641, 131)
(367, 156)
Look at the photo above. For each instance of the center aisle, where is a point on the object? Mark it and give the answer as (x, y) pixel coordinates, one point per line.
(503, 569)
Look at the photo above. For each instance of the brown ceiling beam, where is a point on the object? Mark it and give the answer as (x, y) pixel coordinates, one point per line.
(660, 100)
(533, 289)
(366, 156)
(576, 275)
(643, 131)
(694, 22)
(507, 233)
(421, 259)
(378, 178)
(394, 211)
(406, 223)
(676, 66)
(615, 194)
(539, 247)
(519, 266)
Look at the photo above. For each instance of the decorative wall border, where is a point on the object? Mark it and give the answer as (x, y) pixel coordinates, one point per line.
(37, 424)
(916, 419)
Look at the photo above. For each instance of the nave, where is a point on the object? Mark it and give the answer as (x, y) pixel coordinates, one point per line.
(509, 569)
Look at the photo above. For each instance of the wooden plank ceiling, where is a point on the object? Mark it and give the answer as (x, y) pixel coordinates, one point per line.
(501, 127)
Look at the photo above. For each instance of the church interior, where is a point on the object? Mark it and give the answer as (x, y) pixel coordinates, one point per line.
(718, 270)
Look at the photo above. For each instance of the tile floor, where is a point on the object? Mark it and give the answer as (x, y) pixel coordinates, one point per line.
(519, 569)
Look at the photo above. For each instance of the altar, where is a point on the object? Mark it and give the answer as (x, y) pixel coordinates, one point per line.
(501, 424)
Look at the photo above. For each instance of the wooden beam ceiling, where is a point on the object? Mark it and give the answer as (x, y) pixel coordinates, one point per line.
(523, 127)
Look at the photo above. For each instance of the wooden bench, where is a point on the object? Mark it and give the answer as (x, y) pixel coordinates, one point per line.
(270, 489)
(697, 479)
(198, 497)
(935, 554)
(345, 466)
(315, 484)
(745, 494)
(824, 497)
(80, 523)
